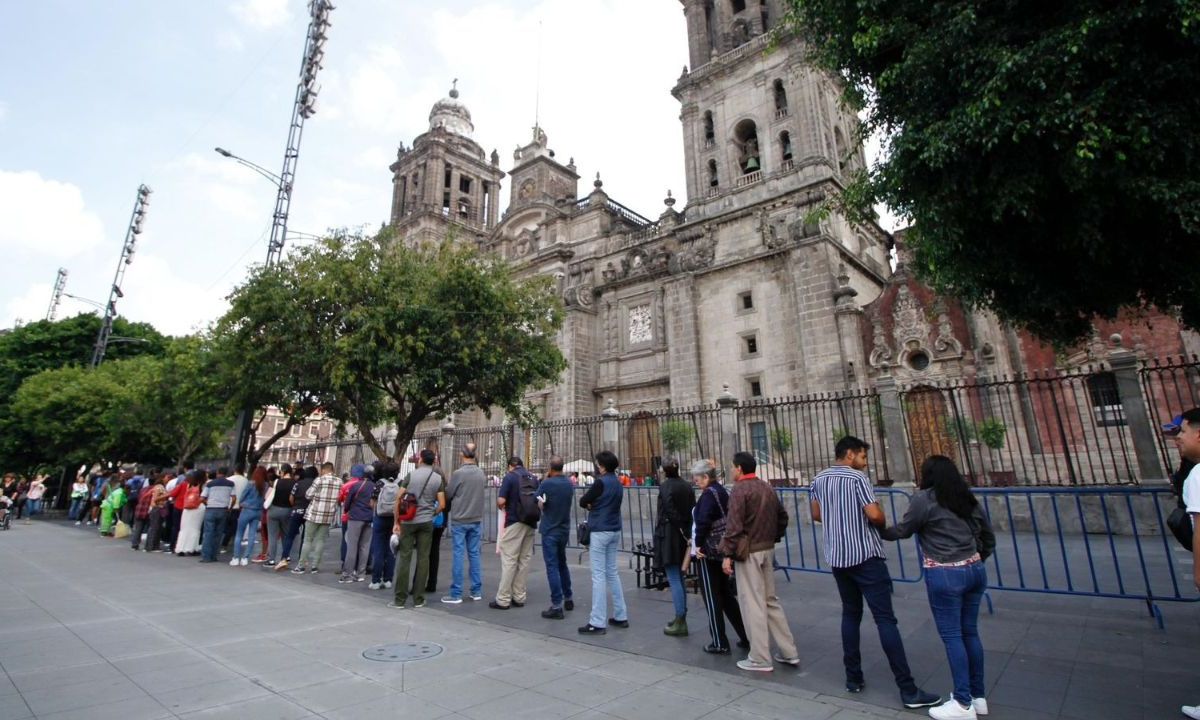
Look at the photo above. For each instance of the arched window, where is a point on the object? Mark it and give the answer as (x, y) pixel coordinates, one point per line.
(781, 104)
(464, 209)
(840, 149)
(710, 135)
(746, 137)
(785, 145)
(713, 181)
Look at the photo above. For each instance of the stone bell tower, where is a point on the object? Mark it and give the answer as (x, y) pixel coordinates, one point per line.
(444, 181)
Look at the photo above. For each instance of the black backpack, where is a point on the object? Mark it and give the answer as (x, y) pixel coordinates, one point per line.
(528, 511)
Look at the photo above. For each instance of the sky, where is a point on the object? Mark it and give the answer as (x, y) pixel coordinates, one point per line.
(98, 97)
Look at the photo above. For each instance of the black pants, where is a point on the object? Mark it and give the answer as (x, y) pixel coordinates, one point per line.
(172, 522)
(20, 507)
(231, 520)
(154, 534)
(719, 601)
(140, 525)
(435, 552)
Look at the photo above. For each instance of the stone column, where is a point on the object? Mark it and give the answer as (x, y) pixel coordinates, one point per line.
(609, 427)
(1129, 387)
(895, 439)
(728, 405)
(449, 452)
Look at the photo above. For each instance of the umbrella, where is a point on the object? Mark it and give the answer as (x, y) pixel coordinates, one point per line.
(579, 466)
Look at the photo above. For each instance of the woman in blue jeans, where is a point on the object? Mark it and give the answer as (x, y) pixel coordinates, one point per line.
(672, 531)
(603, 503)
(251, 504)
(956, 539)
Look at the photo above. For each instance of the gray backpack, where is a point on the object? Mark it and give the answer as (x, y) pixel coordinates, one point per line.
(389, 491)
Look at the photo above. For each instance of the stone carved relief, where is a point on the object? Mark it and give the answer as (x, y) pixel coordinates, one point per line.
(881, 353)
(579, 296)
(637, 262)
(945, 344)
(640, 328)
(910, 323)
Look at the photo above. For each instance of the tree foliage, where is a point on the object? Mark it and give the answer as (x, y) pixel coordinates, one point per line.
(1046, 153)
(155, 410)
(371, 331)
(39, 346)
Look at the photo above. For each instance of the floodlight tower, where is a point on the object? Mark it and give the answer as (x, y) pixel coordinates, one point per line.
(60, 284)
(302, 109)
(127, 250)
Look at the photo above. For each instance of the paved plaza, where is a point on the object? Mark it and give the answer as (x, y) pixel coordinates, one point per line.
(89, 629)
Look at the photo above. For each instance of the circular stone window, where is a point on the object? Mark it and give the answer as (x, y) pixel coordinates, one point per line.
(919, 360)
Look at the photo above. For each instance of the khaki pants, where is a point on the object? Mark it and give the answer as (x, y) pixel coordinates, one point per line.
(516, 549)
(761, 610)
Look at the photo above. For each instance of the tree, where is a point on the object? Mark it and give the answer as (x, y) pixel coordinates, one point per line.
(1046, 154)
(44, 345)
(677, 436)
(396, 333)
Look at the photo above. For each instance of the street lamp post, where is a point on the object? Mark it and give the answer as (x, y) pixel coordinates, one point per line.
(127, 250)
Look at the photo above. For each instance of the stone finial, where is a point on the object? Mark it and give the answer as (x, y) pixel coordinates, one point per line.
(611, 410)
(1116, 340)
(454, 89)
(726, 398)
(495, 157)
(448, 426)
(669, 201)
(598, 183)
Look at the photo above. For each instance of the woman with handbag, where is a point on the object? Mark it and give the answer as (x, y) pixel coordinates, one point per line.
(187, 496)
(716, 588)
(956, 539)
(672, 532)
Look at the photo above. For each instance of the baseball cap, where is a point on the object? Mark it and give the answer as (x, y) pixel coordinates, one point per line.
(358, 471)
(1173, 427)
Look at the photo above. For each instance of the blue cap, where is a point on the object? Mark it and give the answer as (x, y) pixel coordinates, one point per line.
(1174, 426)
(358, 471)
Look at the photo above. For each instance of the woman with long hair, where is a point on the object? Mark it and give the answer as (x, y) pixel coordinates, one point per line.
(956, 538)
(672, 531)
(251, 504)
(187, 544)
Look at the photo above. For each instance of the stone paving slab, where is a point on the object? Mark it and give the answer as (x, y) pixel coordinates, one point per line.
(93, 630)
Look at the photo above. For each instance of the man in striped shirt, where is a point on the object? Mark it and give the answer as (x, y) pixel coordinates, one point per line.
(844, 503)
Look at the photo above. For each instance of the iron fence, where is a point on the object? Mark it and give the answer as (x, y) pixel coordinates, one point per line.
(1050, 427)
(1170, 387)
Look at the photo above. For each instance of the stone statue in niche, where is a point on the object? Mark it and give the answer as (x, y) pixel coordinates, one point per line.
(610, 273)
(945, 344)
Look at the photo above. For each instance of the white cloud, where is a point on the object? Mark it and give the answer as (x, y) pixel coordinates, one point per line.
(261, 14)
(230, 40)
(234, 191)
(32, 305)
(167, 296)
(45, 217)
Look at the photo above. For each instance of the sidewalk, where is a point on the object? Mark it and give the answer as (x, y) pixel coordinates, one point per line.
(90, 629)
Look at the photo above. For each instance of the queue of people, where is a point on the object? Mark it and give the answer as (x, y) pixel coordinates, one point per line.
(391, 527)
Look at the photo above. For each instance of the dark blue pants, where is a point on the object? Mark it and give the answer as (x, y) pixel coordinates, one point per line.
(383, 560)
(295, 526)
(554, 551)
(871, 581)
(954, 597)
(214, 532)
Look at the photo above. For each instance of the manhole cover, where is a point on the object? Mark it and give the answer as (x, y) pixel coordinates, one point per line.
(403, 652)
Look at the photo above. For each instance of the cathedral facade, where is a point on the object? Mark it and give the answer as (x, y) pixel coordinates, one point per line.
(738, 284)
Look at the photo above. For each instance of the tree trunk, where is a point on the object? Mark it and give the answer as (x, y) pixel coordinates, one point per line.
(254, 454)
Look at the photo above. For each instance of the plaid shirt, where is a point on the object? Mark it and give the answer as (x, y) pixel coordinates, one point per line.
(323, 499)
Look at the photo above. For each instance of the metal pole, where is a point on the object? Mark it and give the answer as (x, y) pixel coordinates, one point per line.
(127, 249)
(60, 284)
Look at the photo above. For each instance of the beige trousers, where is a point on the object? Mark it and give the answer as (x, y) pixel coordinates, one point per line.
(516, 550)
(761, 611)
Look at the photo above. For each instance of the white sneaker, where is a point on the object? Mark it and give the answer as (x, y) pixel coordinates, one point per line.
(1192, 711)
(245, 562)
(387, 584)
(951, 710)
(233, 562)
(374, 586)
(980, 706)
(78, 522)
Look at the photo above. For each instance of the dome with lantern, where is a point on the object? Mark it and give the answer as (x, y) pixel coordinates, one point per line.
(451, 114)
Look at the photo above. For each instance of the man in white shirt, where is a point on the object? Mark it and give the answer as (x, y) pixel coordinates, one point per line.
(239, 480)
(1188, 442)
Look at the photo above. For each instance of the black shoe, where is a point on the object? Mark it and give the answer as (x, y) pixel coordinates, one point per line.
(591, 629)
(920, 699)
(497, 606)
(855, 687)
(716, 650)
(553, 614)
(517, 604)
(743, 644)
(618, 623)
(569, 605)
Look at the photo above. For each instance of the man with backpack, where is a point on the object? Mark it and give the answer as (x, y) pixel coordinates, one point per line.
(518, 499)
(424, 496)
(387, 493)
(465, 492)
